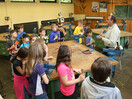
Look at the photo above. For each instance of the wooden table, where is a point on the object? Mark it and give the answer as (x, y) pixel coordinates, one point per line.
(105, 25)
(3, 36)
(3, 41)
(66, 26)
(79, 61)
(124, 37)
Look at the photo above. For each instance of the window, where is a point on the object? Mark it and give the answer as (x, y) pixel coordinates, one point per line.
(2, 0)
(47, 0)
(22, 0)
(66, 1)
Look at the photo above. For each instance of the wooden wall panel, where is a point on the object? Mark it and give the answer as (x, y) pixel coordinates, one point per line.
(110, 8)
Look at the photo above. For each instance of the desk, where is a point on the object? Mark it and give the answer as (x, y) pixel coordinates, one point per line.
(3, 36)
(79, 61)
(124, 37)
(3, 41)
(105, 25)
(65, 26)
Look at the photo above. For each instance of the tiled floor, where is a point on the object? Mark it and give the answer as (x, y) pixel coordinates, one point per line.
(122, 79)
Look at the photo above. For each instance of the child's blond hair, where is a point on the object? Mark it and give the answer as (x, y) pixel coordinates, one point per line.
(53, 25)
(80, 21)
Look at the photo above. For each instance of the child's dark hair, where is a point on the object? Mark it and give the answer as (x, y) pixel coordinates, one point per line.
(12, 31)
(41, 29)
(113, 18)
(64, 56)
(101, 69)
(20, 26)
(22, 53)
(89, 30)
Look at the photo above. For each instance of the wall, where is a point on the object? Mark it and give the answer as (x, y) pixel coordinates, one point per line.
(110, 8)
(29, 12)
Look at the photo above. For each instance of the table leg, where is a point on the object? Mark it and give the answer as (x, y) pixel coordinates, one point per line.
(52, 90)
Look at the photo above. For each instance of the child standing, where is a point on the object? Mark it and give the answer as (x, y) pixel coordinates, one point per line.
(89, 40)
(42, 34)
(12, 46)
(35, 70)
(62, 32)
(100, 87)
(20, 80)
(66, 73)
(20, 29)
(32, 38)
(54, 35)
(13, 43)
(25, 41)
(45, 48)
(79, 29)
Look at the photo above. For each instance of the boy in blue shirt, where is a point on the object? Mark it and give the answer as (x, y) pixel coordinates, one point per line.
(25, 41)
(54, 35)
(20, 29)
(89, 40)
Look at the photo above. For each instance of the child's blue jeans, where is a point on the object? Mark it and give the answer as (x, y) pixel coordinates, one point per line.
(42, 96)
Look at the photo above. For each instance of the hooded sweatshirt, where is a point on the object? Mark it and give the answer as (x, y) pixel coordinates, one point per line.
(93, 90)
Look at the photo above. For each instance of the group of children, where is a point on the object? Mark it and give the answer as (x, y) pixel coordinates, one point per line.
(29, 73)
(79, 30)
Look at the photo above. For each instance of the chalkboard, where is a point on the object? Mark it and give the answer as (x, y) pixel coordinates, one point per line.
(129, 11)
(121, 11)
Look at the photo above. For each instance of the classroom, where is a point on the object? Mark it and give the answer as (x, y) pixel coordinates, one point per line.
(65, 49)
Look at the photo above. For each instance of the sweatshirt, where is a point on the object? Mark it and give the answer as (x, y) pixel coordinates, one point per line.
(52, 36)
(94, 90)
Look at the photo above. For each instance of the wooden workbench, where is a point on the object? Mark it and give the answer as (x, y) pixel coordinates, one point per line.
(3, 36)
(106, 24)
(79, 60)
(66, 26)
(124, 37)
(123, 33)
(3, 41)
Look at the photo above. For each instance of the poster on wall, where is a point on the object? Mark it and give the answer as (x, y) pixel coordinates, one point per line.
(95, 6)
(103, 6)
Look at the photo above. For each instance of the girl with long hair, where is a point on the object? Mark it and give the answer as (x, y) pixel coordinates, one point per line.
(66, 73)
(35, 70)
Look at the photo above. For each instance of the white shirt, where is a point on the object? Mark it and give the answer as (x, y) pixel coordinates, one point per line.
(112, 36)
